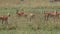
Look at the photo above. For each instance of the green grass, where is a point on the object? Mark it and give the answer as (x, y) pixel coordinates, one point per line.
(25, 27)
(7, 31)
(29, 32)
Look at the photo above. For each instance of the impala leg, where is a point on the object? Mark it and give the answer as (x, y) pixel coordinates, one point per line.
(30, 19)
(57, 16)
(46, 17)
(2, 21)
(6, 22)
(25, 16)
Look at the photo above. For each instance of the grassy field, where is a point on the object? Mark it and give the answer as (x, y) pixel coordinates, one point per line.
(20, 25)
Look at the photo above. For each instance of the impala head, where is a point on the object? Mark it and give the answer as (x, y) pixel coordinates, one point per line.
(55, 11)
(32, 15)
(8, 14)
(22, 10)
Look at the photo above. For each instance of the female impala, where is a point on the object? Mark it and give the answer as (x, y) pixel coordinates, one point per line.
(20, 13)
(5, 18)
(30, 16)
(51, 14)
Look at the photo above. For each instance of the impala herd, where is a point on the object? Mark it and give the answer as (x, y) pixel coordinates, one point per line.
(29, 15)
